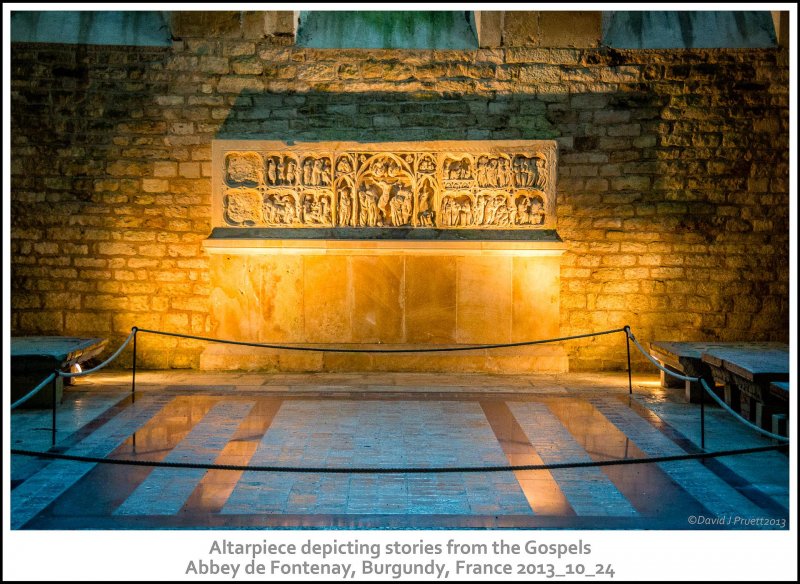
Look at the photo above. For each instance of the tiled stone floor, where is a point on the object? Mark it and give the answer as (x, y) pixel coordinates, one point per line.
(385, 420)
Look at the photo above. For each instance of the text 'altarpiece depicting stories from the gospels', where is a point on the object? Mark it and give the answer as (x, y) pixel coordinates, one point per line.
(445, 185)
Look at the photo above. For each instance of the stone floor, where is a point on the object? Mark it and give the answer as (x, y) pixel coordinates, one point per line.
(388, 420)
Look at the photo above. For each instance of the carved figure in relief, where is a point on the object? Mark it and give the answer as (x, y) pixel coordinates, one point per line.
(478, 210)
(325, 174)
(466, 172)
(537, 212)
(289, 210)
(530, 172)
(458, 169)
(378, 168)
(523, 211)
(504, 173)
(400, 205)
(279, 209)
(316, 209)
(480, 171)
(541, 173)
(522, 172)
(368, 207)
(343, 166)
(291, 169)
(425, 218)
(280, 171)
(492, 205)
(272, 178)
(271, 211)
(447, 212)
(383, 204)
(464, 211)
(316, 172)
(382, 167)
(457, 211)
(493, 172)
(425, 214)
(345, 208)
(511, 209)
(325, 210)
(427, 164)
(503, 214)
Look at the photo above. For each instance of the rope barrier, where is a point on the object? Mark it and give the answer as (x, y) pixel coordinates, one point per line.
(626, 330)
(656, 363)
(744, 421)
(709, 391)
(397, 470)
(34, 391)
(341, 350)
(50, 377)
(104, 363)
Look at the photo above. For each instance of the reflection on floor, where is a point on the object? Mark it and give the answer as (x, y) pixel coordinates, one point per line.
(388, 420)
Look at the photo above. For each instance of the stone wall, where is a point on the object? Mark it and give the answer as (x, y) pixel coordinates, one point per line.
(673, 195)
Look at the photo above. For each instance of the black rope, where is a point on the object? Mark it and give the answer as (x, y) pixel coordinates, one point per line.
(33, 392)
(337, 350)
(395, 470)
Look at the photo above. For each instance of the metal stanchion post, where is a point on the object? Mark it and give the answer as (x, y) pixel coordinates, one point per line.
(702, 414)
(628, 346)
(53, 431)
(133, 376)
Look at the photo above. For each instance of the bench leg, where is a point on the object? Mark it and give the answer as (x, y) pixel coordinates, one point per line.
(761, 415)
(693, 392)
(669, 380)
(732, 397)
(748, 407)
(780, 424)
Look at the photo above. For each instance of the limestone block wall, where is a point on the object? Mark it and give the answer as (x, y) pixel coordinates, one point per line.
(672, 201)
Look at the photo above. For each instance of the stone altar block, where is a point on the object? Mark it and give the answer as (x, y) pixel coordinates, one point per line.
(393, 245)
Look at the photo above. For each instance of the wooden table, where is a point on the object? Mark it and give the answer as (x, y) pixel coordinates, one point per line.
(747, 371)
(34, 358)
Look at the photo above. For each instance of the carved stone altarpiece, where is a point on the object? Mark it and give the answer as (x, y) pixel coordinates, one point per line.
(445, 185)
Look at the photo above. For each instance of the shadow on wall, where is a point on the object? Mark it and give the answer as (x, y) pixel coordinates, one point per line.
(391, 117)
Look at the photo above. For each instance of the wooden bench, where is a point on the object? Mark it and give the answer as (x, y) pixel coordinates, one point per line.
(747, 370)
(34, 358)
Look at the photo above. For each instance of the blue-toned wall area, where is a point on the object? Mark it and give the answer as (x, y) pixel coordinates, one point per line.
(688, 30)
(387, 30)
(143, 29)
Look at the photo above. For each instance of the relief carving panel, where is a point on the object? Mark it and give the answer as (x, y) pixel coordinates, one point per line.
(445, 185)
